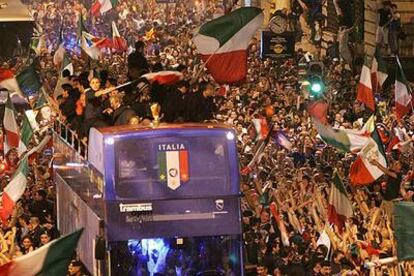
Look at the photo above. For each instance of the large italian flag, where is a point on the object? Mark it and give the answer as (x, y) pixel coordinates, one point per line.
(10, 126)
(340, 207)
(173, 167)
(362, 172)
(102, 6)
(365, 93)
(50, 259)
(346, 140)
(14, 190)
(222, 43)
(403, 96)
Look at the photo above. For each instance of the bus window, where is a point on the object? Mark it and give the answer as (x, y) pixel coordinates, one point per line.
(214, 255)
(163, 167)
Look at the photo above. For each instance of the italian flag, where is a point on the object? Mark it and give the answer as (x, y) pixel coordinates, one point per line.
(173, 167)
(14, 190)
(91, 45)
(10, 126)
(41, 100)
(50, 259)
(261, 127)
(403, 96)
(378, 70)
(81, 28)
(282, 228)
(365, 93)
(39, 147)
(362, 172)
(118, 42)
(8, 81)
(67, 64)
(346, 140)
(58, 56)
(38, 42)
(29, 80)
(164, 77)
(223, 90)
(258, 155)
(26, 135)
(223, 42)
(340, 207)
(102, 6)
(319, 111)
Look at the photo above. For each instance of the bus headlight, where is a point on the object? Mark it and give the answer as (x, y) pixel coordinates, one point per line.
(109, 141)
(230, 135)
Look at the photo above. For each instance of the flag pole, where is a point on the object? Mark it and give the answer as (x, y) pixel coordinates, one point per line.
(108, 90)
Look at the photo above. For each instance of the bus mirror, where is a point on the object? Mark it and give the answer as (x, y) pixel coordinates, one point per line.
(100, 248)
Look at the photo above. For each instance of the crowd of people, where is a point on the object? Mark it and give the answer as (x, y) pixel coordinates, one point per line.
(296, 179)
(33, 221)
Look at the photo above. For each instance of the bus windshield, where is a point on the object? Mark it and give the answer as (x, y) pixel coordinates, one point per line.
(171, 167)
(214, 255)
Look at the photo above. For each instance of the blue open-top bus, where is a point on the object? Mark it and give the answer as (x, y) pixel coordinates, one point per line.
(154, 201)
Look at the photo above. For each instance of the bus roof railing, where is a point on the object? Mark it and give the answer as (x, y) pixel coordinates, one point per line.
(71, 139)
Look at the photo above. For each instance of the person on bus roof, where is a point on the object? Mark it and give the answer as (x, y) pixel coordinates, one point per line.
(121, 114)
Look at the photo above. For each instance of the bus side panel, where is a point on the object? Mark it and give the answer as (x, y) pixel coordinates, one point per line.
(74, 213)
(172, 218)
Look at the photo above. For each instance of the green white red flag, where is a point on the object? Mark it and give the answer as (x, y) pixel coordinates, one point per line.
(8, 81)
(11, 127)
(173, 166)
(164, 77)
(14, 190)
(362, 172)
(38, 42)
(29, 80)
(282, 228)
(378, 70)
(319, 111)
(119, 44)
(26, 135)
(67, 64)
(346, 140)
(92, 46)
(340, 207)
(222, 43)
(403, 97)
(404, 229)
(365, 93)
(100, 7)
(81, 28)
(261, 127)
(60, 52)
(52, 258)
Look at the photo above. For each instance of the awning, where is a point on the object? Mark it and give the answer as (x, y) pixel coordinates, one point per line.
(14, 11)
